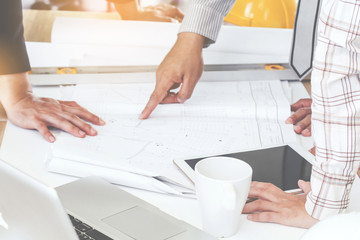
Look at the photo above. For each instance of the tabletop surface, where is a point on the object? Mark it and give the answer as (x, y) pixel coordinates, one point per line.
(32, 157)
(37, 27)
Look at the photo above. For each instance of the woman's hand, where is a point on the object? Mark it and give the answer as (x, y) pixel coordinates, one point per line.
(28, 111)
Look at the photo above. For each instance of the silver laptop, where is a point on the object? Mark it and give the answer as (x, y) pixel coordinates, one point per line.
(95, 210)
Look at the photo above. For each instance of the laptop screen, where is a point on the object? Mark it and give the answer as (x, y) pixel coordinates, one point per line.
(304, 37)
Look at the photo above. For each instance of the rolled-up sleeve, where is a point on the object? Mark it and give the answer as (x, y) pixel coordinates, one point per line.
(13, 55)
(205, 17)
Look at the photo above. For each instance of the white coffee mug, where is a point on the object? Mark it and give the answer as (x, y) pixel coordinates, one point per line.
(222, 187)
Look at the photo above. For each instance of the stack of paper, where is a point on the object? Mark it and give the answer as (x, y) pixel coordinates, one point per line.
(221, 117)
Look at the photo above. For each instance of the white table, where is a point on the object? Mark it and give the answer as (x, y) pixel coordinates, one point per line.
(30, 157)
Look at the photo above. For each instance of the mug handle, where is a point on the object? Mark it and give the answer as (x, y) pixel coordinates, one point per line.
(229, 197)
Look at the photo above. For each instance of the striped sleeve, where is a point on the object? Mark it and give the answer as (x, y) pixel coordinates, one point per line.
(336, 108)
(205, 17)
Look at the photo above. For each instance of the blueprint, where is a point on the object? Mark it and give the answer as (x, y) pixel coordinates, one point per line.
(220, 117)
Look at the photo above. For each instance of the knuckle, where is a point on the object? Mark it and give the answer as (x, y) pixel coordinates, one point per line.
(73, 129)
(266, 217)
(302, 111)
(255, 184)
(93, 118)
(50, 101)
(73, 117)
(259, 188)
(155, 96)
(261, 203)
(184, 96)
(33, 118)
(301, 125)
(39, 124)
(87, 127)
(266, 187)
(63, 122)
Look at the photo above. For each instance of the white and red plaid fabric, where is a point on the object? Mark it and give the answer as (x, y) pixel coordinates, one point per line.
(336, 108)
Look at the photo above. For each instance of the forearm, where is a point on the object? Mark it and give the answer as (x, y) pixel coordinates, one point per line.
(13, 87)
(205, 17)
(127, 9)
(191, 42)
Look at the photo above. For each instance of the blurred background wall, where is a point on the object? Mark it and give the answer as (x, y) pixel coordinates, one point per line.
(90, 5)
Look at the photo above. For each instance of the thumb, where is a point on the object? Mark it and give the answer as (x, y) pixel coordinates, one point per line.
(305, 186)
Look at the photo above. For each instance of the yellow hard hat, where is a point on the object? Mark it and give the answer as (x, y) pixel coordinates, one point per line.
(263, 13)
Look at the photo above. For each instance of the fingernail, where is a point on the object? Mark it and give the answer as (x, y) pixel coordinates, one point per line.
(180, 100)
(142, 116)
(250, 217)
(297, 128)
(93, 131)
(52, 139)
(306, 131)
(288, 121)
(81, 133)
(102, 122)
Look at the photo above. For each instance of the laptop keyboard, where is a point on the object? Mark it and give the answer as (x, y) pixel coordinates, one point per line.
(85, 232)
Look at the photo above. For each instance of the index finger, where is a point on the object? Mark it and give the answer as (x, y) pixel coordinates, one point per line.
(160, 92)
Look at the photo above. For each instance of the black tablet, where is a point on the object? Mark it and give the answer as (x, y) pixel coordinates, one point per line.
(282, 165)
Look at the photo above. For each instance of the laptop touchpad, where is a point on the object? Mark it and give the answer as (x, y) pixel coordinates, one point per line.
(142, 224)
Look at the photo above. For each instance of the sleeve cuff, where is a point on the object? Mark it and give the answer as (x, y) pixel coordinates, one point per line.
(203, 21)
(329, 194)
(14, 58)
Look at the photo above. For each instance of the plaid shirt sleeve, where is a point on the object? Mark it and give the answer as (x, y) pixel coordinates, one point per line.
(205, 17)
(336, 108)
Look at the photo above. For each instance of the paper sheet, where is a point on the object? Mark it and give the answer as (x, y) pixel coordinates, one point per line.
(220, 117)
